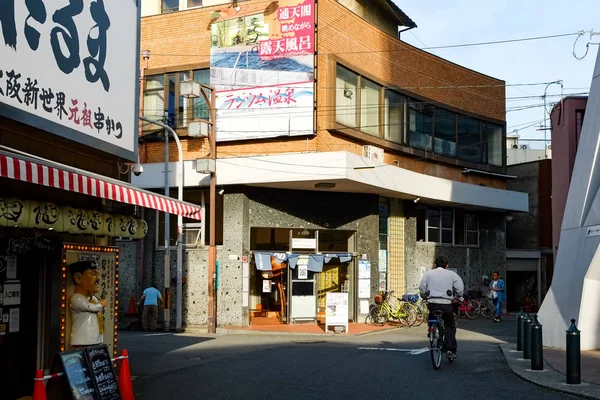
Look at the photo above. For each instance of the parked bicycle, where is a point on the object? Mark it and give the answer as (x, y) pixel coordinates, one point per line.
(384, 310)
(468, 307)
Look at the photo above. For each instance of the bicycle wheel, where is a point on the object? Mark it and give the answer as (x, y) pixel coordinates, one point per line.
(420, 315)
(487, 309)
(435, 346)
(472, 309)
(407, 313)
(379, 315)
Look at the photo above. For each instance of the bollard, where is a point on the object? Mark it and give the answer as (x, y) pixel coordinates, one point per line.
(527, 337)
(573, 355)
(520, 328)
(537, 349)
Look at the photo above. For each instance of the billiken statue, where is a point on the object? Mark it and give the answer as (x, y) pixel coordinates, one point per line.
(86, 310)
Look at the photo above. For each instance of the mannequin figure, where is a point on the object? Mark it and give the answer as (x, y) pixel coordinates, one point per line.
(86, 309)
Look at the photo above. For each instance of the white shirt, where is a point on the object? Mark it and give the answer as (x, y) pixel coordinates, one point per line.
(441, 286)
(84, 321)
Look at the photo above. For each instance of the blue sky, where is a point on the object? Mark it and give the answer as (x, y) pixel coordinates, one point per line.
(467, 21)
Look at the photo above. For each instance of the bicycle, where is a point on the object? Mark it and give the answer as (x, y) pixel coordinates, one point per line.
(437, 334)
(468, 307)
(383, 311)
(420, 307)
(487, 308)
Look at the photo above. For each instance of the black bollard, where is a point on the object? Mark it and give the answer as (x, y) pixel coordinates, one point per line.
(527, 337)
(537, 349)
(573, 355)
(520, 329)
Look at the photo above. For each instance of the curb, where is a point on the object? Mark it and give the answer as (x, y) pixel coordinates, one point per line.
(227, 332)
(549, 378)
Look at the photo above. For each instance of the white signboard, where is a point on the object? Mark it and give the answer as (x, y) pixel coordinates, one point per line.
(364, 288)
(336, 312)
(13, 324)
(364, 306)
(302, 243)
(364, 269)
(11, 267)
(12, 294)
(71, 68)
(382, 260)
(266, 286)
(303, 267)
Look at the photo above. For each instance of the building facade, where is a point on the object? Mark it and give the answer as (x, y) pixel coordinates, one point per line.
(348, 159)
(518, 153)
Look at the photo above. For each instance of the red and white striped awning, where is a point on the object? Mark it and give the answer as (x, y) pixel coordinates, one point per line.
(48, 173)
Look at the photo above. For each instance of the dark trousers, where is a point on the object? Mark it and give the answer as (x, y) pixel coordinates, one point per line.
(149, 317)
(449, 323)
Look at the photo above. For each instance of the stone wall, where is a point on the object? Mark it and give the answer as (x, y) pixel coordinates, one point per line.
(471, 262)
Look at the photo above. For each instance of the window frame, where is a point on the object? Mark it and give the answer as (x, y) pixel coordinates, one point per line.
(164, 10)
(440, 227)
(177, 73)
(404, 145)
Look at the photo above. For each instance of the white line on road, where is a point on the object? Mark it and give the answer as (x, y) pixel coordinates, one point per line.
(412, 352)
(157, 334)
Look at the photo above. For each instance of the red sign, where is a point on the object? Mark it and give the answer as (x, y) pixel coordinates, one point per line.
(298, 33)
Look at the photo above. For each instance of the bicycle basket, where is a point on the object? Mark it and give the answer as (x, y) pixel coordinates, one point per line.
(411, 298)
(378, 299)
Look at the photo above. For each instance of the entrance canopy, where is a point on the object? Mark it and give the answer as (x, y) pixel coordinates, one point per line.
(27, 168)
(315, 261)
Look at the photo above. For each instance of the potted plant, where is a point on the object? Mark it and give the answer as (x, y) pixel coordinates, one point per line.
(529, 296)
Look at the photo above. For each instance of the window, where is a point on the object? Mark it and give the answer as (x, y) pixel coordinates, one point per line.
(447, 226)
(346, 95)
(160, 101)
(170, 6)
(494, 144)
(194, 3)
(394, 116)
(439, 225)
(420, 124)
(369, 107)
(154, 97)
(469, 140)
(445, 132)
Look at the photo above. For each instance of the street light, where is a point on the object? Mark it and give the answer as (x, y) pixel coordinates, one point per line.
(558, 82)
(167, 310)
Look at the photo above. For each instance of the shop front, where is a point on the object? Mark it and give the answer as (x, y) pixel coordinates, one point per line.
(292, 270)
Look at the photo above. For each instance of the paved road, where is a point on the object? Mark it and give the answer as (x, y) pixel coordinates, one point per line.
(184, 367)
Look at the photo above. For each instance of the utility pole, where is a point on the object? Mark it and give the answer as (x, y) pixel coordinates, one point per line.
(558, 82)
(212, 249)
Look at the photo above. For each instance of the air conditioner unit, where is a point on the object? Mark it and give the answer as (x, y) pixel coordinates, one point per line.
(373, 152)
(524, 146)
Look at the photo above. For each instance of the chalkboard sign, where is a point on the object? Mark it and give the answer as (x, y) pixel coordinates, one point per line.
(79, 375)
(103, 373)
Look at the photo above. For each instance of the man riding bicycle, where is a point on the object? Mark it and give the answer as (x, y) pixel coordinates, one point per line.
(439, 287)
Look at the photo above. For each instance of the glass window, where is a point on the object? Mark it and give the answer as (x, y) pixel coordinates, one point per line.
(447, 225)
(433, 225)
(184, 113)
(472, 229)
(346, 95)
(459, 227)
(194, 3)
(494, 144)
(469, 140)
(445, 132)
(421, 222)
(394, 116)
(369, 107)
(154, 97)
(171, 100)
(200, 108)
(420, 124)
(170, 6)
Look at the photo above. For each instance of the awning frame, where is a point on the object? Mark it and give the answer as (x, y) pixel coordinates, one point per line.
(21, 166)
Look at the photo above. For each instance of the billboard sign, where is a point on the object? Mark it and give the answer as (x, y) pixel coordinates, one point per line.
(262, 65)
(70, 67)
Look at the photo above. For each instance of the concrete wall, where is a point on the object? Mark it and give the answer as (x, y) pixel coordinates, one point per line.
(471, 262)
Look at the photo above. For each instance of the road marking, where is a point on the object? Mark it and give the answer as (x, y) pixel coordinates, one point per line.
(157, 334)
(412, 352)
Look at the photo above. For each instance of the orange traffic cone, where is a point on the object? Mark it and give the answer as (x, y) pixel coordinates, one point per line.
(132, 310)
(125, 378)
(39, 389)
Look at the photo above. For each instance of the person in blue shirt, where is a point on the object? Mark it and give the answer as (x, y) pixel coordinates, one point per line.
(498, 290)
(151, 300)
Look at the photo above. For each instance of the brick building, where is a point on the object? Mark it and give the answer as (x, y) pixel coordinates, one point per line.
(335, 138)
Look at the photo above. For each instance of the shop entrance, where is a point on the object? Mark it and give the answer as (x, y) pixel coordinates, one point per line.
(293, 270)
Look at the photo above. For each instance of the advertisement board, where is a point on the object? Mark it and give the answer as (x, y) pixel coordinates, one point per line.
(262, 65)
(336, 310)
(71, 68)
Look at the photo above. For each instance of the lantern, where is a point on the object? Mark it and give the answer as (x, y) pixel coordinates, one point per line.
(108, 225)
(14, 212)
(43, 215)
(95, 222)
(142, 229)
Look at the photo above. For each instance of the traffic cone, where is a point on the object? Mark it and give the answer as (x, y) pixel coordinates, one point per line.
(132, 306)
(125, 378)
(39, 389)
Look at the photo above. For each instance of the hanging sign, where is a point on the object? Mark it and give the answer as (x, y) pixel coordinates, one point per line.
(303, 267)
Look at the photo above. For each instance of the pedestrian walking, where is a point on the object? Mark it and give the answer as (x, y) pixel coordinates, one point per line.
(498, 294)
(151, 299)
